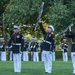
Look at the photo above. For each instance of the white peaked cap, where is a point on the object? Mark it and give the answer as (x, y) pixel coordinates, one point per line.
(32, 38)
(16, 27)
(52, 27)
(35, 38)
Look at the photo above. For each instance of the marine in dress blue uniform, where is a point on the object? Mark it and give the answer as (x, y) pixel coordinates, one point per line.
(25, 50)
(3, 49)
(48, 44)
(72, 36)
(17, 41)
(64, 49)
(34, 50)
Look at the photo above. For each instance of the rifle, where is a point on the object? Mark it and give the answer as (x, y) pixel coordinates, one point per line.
(4, 35)
(65, 30)
(3, 27)
(39, 14)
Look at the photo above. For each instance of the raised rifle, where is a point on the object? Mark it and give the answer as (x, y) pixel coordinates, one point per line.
(39, 14)
(65, 30)
(3, 27)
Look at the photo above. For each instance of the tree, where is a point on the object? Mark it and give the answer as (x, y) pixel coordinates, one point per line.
(21, 12)
(25, 12)
(72, 11)
(58, 16)
(3, 4)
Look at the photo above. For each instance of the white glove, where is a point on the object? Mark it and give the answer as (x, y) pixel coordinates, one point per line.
(34, 47)
(31, 47)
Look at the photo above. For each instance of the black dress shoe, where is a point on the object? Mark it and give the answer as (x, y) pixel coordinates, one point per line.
(46, 72)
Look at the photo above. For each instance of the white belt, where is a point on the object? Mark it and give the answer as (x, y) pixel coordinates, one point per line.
(16, 43)
(73, 42)
(10, 47)
(47, 41)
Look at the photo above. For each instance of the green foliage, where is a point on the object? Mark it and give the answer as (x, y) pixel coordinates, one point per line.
(59, 13)
(72, 11)
(3, 4)
(23, 10)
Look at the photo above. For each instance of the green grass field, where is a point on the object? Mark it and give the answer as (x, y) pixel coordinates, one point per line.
(36, 68)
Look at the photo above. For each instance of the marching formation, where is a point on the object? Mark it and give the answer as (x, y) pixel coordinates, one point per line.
(19, 48)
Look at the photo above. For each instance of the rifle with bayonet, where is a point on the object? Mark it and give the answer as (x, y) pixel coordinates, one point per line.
(65, 30)
(39, 14)
(3, 27)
